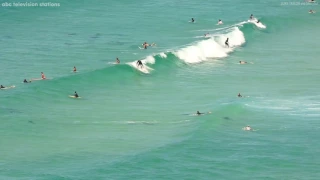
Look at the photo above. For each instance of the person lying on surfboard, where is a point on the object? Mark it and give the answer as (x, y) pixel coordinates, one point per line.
(199, 113)
(43, 76)
(242, 62)
(247, 128)
(25, 81)
(139, 63)
(1, 87)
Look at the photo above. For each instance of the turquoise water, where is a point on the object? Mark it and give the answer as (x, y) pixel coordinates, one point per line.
(131, 124)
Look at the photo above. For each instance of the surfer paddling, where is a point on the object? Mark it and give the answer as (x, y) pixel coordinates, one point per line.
(243, 62)
(25, 81)
(199, 113)
(247, 128)
(2, 87)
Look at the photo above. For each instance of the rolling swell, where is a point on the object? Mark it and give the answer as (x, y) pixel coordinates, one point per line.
(197, 52)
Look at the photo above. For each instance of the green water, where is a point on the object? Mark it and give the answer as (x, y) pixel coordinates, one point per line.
(130, 124)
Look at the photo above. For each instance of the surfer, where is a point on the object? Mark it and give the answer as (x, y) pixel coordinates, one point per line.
(2, 87)
(118, 61)
(258, 21)
(25, 81)
(43, 76)
(251, 16)
(247, 128)
(205, 35)
(192, 20)
(242, 62)
(145, 45)
(239, 95)
(74, 69)
(139, 63)
(311, 11)
(227, 42)
(220, 22)
(76, 94)
(199, 113)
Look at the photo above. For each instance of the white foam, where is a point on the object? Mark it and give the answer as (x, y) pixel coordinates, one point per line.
(144, 68)
(211, 48)
(163, 55)
(259, 25)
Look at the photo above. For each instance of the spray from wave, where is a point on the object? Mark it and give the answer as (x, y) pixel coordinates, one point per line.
(211, 48)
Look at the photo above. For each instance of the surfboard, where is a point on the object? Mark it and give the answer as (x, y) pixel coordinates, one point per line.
(38, 79)
(9, 87)
(74, 97)
(199, 114)
(143, 69)
(140, 47)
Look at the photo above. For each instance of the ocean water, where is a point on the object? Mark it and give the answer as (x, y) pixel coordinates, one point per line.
(133, 123)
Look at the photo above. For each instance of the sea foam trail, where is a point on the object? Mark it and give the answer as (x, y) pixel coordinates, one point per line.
(211, 48)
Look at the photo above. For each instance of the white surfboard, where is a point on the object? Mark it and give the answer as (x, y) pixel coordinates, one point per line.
(74, 96)
(38, 79)
(9, 87)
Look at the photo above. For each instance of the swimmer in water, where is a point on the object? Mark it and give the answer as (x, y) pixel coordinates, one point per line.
(117, 61)
(76, 94)
(43, 76)
(2, 87)
(139, 63)
(192, 20)
(258, 21)
(220, 22)
(251, 16)
(242, 62)
(205, 35)
(74, 69)
(239, 95)
(25, 81)
(227, 42)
